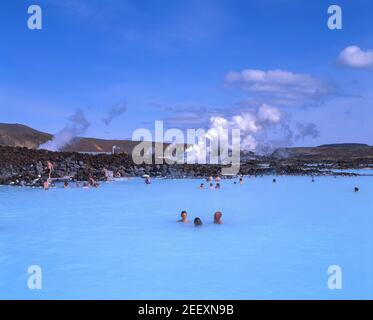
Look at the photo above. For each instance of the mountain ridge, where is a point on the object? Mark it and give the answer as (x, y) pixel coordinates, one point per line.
(19, 135)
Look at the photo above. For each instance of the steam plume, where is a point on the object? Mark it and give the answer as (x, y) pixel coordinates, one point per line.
(114, 112)
(78, 126)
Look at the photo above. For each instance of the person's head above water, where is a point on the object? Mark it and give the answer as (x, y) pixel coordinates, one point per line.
(46, 184)
(184, 216)
(217, 217)
(197, 222)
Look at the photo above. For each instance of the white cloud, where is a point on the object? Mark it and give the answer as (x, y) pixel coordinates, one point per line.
(282, 88)
(355, 57)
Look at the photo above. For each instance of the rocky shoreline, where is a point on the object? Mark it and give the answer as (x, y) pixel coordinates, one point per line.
(28, 167)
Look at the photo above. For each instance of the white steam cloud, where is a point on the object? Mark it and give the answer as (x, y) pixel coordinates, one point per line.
(251, 124)
(78, 126)
(261, 131)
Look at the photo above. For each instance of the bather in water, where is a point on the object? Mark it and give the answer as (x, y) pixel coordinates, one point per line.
(46, 184)
(197, 222)
(217, 217)
(184, 216)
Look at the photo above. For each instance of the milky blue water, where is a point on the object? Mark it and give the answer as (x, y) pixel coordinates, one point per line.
(122, 241)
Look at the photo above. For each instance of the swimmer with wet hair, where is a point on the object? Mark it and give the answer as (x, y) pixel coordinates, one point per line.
(217, 185)
(202, 186)
(65, 184)
(184, 216)
(217, 217)
(274, 180)
(211, 186)
(241, 180)
(197, 222)
(356, 189)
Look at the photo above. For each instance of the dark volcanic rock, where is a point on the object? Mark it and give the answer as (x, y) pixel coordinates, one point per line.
(22, 166)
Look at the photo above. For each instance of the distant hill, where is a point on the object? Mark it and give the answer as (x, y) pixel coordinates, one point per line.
(93, 145)
(343, 145)
(343, 151)
(18, 135)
